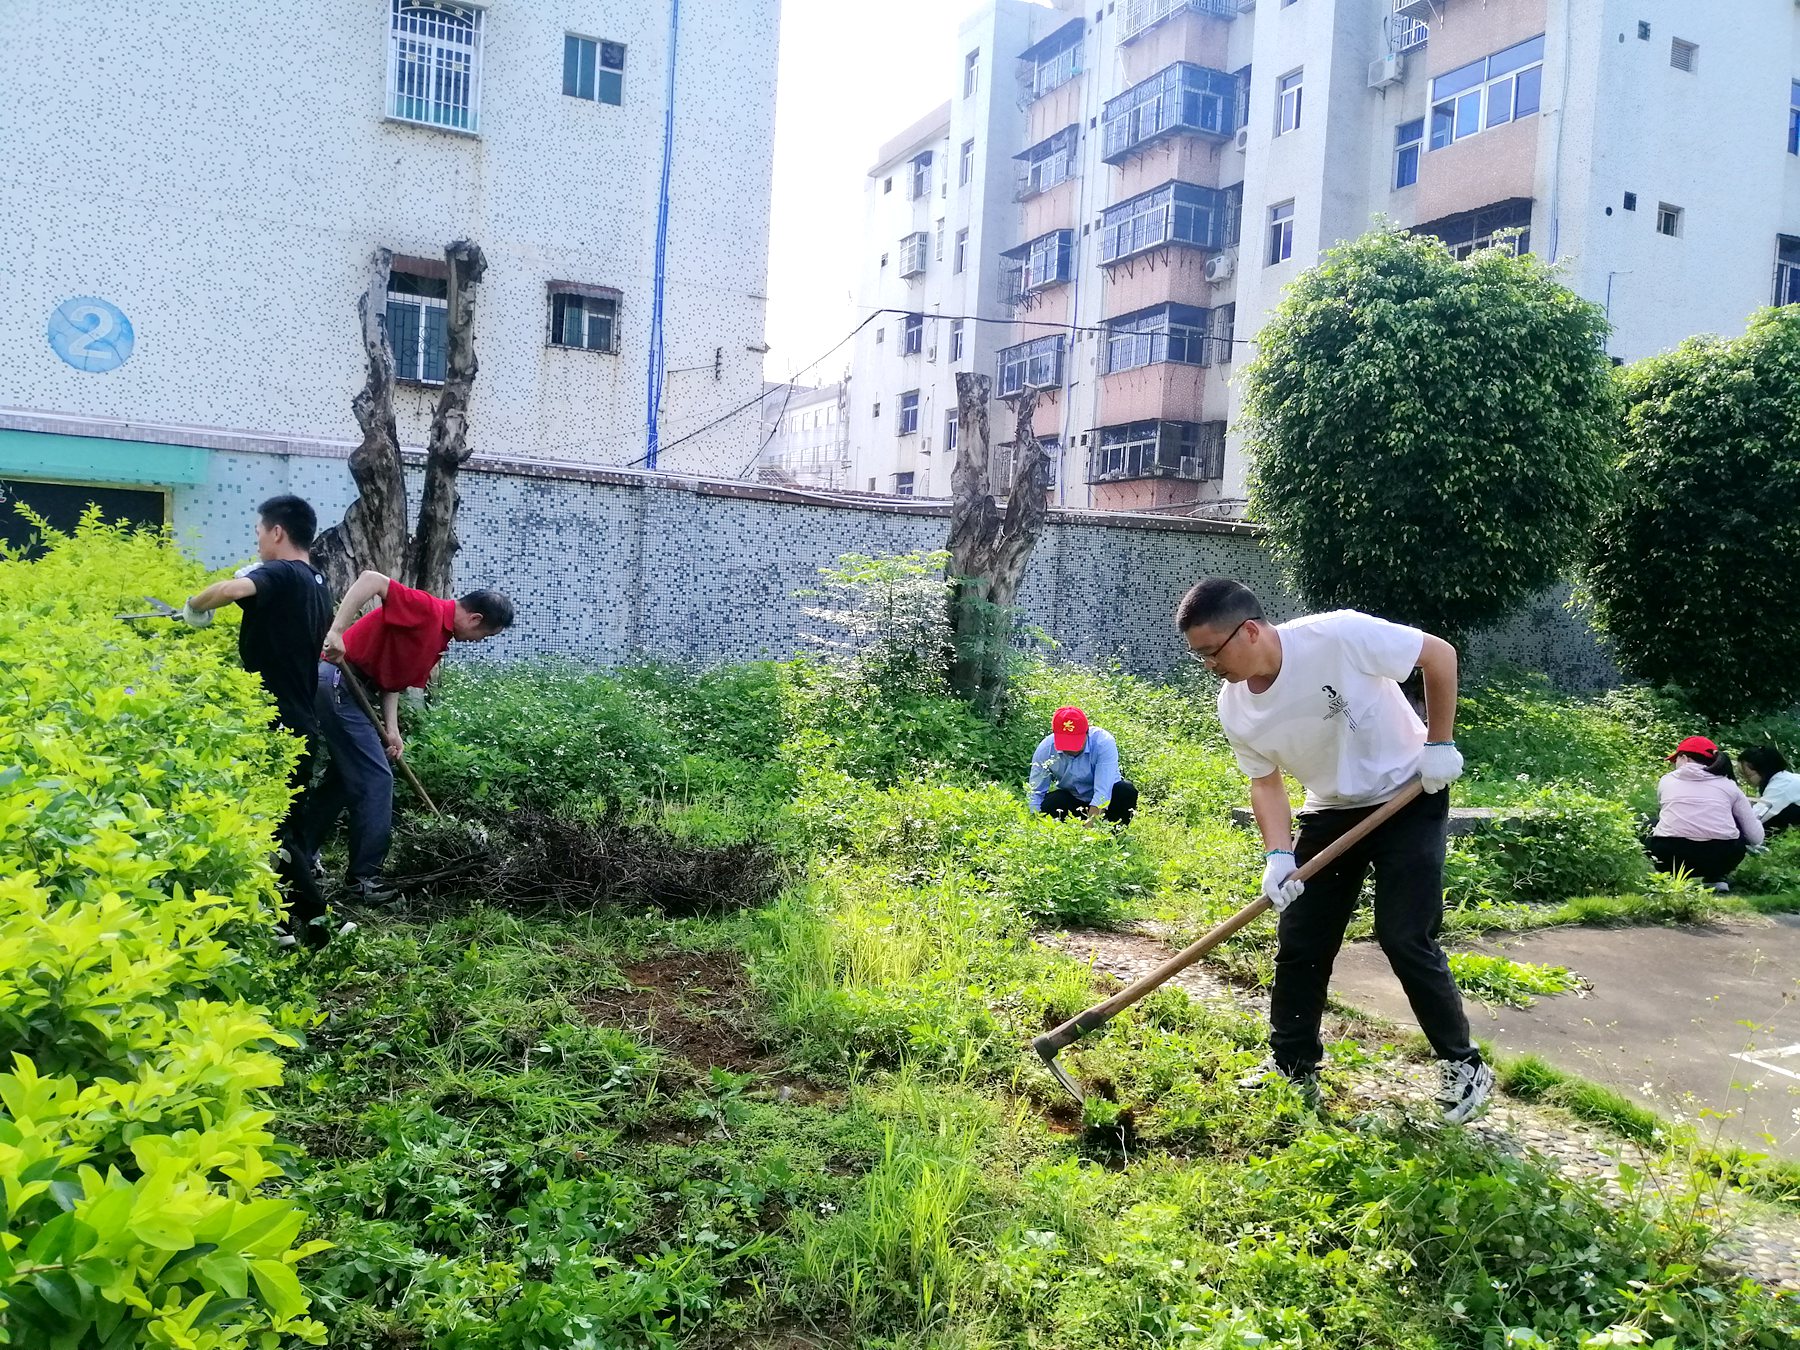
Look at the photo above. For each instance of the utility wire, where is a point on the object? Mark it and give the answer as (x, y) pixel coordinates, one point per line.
(755, 402)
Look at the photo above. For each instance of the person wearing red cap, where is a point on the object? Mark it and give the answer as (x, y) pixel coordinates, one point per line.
(1704, 822)
(1082, 763)
(1319, 697)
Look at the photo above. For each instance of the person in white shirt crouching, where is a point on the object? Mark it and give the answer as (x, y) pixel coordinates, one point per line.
(1320, 698)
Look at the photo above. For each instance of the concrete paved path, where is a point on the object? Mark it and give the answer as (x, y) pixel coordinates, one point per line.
(1689, 1021)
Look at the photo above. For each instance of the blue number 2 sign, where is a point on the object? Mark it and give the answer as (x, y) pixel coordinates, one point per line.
(91, 334)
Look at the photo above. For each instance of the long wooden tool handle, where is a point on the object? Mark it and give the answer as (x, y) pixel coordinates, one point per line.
(1102, 1013)
(362, 701)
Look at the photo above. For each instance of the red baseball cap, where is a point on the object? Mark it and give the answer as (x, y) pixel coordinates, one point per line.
(1069, 730)
(1693, 745)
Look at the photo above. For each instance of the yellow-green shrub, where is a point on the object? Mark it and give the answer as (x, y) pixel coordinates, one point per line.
(140, 785)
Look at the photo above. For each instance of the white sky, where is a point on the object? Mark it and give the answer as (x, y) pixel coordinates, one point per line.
(853, 73)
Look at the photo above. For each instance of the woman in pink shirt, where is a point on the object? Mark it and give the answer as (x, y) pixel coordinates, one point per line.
(1705, 823)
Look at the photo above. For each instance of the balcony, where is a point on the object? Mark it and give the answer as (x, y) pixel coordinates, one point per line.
(1048, 163)
(1035, 266)
(1142, 15)
(1190, 451)
(1180, 98)
(1419, 9)
(1168, 334)
(1053, 62)
(1037, 364)
(1175, 213)
(913, 252)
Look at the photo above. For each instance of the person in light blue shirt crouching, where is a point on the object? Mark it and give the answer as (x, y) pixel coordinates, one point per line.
(1076, 772)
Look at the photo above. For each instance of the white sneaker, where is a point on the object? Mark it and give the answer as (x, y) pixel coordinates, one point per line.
(1306, 1084)
(1464, 1091)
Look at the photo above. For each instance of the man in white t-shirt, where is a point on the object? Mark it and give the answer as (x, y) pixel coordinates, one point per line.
(1320, 698)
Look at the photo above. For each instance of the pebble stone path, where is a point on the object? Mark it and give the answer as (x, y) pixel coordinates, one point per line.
(1757, 1240)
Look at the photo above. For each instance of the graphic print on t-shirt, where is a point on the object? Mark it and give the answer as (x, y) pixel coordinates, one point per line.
(1337, 703)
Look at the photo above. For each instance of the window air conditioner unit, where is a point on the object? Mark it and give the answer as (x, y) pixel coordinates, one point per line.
(1190, 467)
(1387, 70)
(1243, 136)
(1218, 270)
(931, 352)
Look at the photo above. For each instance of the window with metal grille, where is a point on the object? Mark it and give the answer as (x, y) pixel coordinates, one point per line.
(1175, 213)
(1056, 60)
(1031, 365)
(1409, 140)
(418, 323)
(1050, 161)
(1287, 102)
(434, 65)
(909, 413)
(913, 249)
(1171, 333)
(585, 317)
(594, 69)
(1181, 97)
(1787, 270)
(1224, 333)
(1487, 93)
(1684, 55)
(912, 334)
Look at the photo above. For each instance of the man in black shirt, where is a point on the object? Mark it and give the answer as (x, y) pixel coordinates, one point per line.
(287, 610)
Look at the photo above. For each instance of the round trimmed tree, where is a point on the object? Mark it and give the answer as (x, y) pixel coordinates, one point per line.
(1431, 440)
(1695, 571)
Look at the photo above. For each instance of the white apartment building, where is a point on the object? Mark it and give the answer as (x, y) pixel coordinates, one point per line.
(1183, 160)
(941, 209)
(806, 437)
(187, 247)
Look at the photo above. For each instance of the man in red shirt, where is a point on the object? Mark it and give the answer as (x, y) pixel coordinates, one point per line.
(393, 647)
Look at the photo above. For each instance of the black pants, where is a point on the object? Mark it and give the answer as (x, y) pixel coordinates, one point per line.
(305, 901)
(358, 779)
(1119, 810)
(1407, 855)
(1784, 819)
(1709, 859)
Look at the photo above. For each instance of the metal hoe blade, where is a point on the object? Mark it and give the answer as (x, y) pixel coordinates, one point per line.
(1048, 1055)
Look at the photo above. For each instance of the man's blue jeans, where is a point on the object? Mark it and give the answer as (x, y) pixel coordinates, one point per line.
(358, 779)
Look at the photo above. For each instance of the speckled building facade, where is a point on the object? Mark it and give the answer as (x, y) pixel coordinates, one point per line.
(216, 177)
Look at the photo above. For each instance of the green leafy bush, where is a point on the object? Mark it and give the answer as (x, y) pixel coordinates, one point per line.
(1430, 438)
(1704, 530)
(136, 820)
(1561, 843)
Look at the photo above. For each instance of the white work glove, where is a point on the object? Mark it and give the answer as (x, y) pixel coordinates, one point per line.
(1440, 765)
(196, 618)
(1277, 881)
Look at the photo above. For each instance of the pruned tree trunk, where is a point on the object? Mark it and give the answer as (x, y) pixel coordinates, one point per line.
(373, 531)
(990, 549)
(435, 544)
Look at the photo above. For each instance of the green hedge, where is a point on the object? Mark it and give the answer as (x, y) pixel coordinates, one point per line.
(139, 791)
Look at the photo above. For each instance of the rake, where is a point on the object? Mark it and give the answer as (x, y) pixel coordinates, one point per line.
(1051, 1042)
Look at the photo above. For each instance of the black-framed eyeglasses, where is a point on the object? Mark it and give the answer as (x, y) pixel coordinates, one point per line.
(1204, 657)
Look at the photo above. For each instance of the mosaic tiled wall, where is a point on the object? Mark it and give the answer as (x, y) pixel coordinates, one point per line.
(602, 569)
